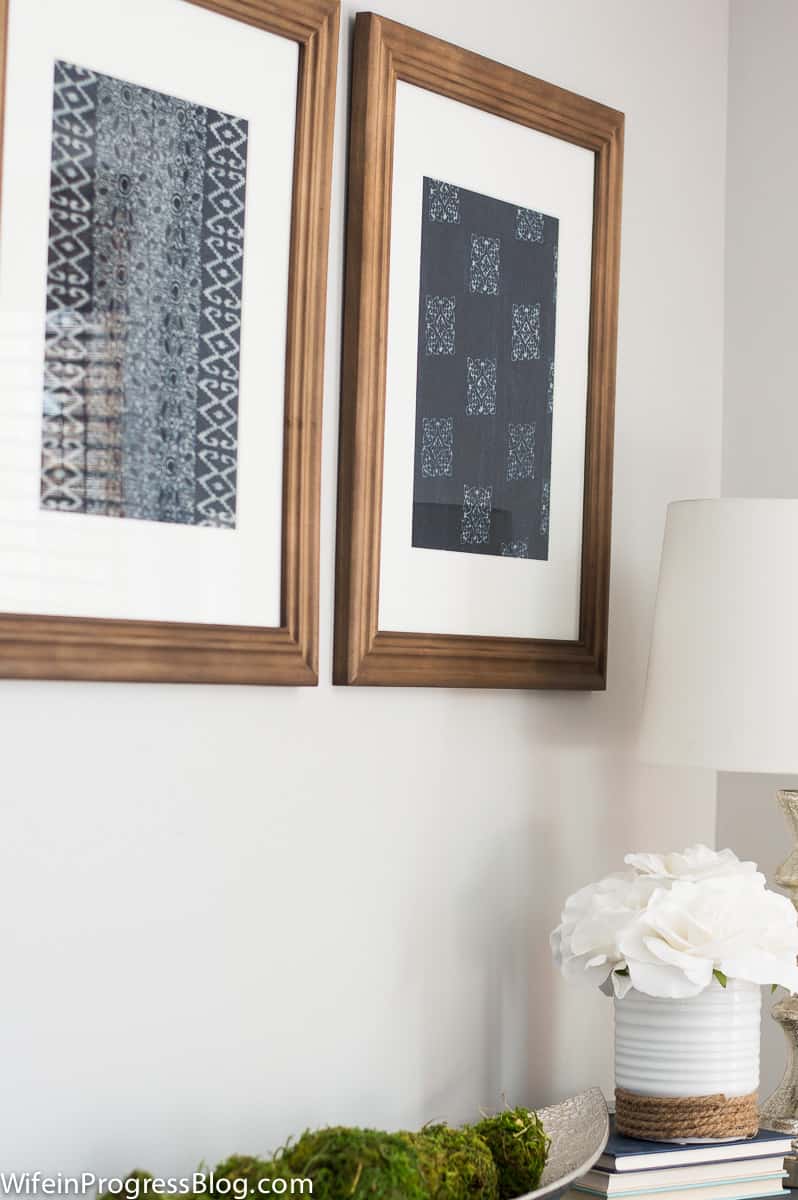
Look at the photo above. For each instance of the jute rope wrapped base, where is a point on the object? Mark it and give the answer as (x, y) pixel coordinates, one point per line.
(662, 1118)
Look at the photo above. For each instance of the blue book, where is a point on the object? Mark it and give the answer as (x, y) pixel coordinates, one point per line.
(632, 1154)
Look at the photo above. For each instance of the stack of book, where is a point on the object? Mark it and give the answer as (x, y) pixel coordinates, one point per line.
(742, 1170)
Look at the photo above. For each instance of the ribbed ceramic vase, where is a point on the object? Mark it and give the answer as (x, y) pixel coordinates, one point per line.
(688, 1070)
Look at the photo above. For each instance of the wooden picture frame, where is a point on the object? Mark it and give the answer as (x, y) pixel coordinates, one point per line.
(384, 53)
(86, 648)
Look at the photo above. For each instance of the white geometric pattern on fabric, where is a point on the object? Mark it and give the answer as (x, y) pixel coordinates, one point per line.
(480, 386)
(437, 447)
(68, 289)
(477, 504)
(444, 202)
(544, 509)
(485, 269)
(529, 225)
(519, 549)
(439, 314)
(526, 332)
(520, 451)
(222, 271)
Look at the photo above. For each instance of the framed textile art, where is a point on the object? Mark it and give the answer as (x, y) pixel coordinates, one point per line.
(475, 476)
(163, 259)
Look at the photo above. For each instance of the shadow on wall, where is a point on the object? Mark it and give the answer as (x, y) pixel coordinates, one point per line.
(500, 928)
(529, 1037)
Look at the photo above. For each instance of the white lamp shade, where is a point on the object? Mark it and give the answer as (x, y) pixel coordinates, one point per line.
(722, 687)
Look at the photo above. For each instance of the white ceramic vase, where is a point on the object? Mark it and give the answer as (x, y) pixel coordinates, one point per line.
(701, 1046)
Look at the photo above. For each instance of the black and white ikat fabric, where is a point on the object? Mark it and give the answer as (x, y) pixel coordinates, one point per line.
(144, 278)
(485, 382)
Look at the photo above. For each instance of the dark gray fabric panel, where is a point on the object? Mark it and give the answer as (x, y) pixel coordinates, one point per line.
(485, 382)
(140, 414)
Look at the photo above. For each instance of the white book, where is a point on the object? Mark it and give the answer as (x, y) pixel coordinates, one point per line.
(737, 1189)
(637, 1183)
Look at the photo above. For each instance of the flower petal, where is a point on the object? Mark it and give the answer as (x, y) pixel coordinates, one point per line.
(661, 980)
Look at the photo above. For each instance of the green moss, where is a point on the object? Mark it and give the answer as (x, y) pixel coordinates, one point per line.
(357, 1164)
(252, 1169)
(519, 1146)
(456, 1163)
(500, 1158)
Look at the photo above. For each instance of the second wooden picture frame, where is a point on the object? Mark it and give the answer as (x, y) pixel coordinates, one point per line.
(508, 340)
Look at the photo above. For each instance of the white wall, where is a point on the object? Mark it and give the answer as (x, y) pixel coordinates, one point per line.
(227, 914)
(760, 429)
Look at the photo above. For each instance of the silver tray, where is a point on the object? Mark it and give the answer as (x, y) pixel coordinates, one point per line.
(579, 1129)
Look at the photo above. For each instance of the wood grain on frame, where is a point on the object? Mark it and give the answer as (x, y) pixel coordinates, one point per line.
(385, 52)
(52, 647)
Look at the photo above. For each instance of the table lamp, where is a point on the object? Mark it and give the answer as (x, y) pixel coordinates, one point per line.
(722, 687)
